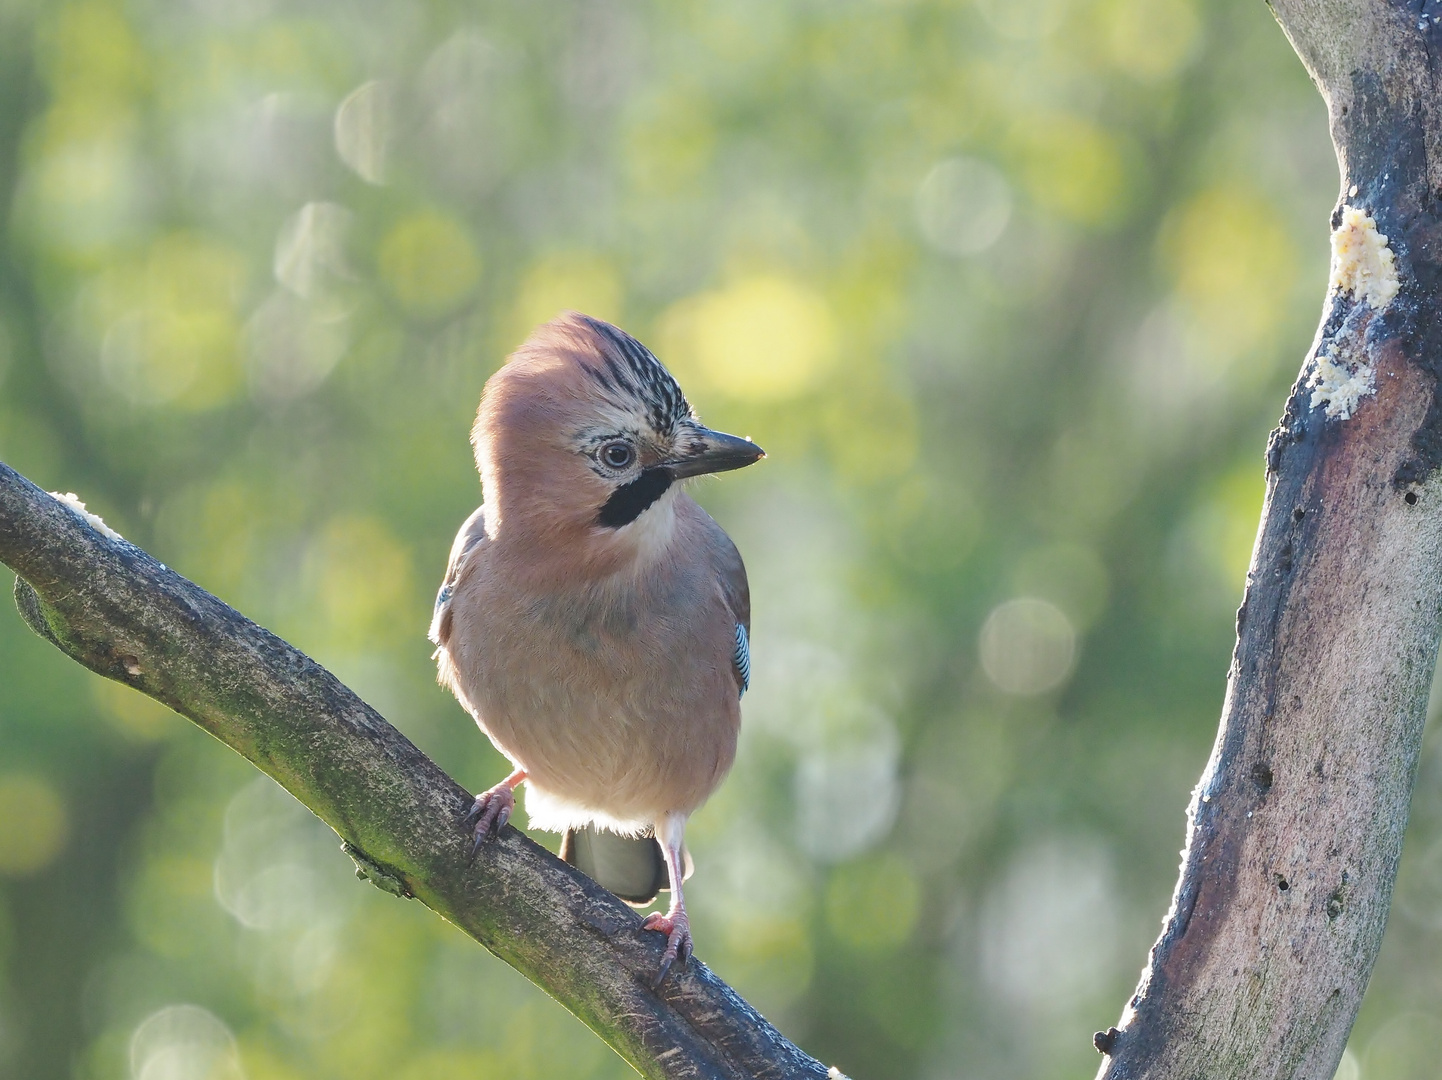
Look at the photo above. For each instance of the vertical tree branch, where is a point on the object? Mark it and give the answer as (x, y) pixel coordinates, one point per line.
(1296, 826)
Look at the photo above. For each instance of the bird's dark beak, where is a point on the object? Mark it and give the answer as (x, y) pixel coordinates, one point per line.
(702, 450)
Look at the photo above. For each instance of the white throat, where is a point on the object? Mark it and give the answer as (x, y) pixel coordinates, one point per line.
(650, 535)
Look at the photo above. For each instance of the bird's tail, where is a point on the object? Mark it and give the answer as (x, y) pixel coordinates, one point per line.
(632, 867)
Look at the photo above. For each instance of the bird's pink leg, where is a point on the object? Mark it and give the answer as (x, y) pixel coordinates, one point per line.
(674, 924)
(492, 809)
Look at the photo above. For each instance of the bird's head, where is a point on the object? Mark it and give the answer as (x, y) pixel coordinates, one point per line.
(583, 431)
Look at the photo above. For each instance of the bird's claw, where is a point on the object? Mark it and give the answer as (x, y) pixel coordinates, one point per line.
(677, 928)
(489, 813)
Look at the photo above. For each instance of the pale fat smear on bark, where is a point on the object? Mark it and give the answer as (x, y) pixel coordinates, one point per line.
(72, 500)
(1363, 267)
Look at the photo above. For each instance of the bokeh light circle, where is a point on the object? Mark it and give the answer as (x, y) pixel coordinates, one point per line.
(1406, 1047)
(363, 123)
(33, 824)
(1027, 646)
(184, 1042)
(430, 264)
(765, 338)
(1050, 928)
(963, 205)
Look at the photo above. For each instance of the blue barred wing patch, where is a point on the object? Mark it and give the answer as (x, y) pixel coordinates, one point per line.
(742, 657)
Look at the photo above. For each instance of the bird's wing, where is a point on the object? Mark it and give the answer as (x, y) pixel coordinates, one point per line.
(738, 596)
(632, 867)
(472, 535)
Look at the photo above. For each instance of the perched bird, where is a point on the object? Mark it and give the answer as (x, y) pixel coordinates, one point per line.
(594, 619)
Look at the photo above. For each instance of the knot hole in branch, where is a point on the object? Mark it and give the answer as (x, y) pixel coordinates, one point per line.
(1284, 560)
(1336, 904)
(1262, 777)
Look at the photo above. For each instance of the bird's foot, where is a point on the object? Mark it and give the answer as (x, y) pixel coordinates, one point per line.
(489, 813)
(677, 928)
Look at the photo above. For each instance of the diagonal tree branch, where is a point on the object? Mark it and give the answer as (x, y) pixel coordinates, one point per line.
(1295, 828)
(120, 613)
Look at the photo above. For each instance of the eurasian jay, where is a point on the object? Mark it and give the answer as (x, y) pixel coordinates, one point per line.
(594, 620)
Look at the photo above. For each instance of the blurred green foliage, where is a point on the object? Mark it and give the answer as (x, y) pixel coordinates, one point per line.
(1011, 291)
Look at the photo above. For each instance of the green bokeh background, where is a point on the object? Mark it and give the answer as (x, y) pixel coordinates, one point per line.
(1010, 290)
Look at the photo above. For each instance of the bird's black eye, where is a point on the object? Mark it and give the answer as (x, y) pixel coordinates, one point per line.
(617, 455)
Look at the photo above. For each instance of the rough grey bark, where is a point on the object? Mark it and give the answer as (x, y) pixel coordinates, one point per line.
(1296, 826)
(117, 611)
